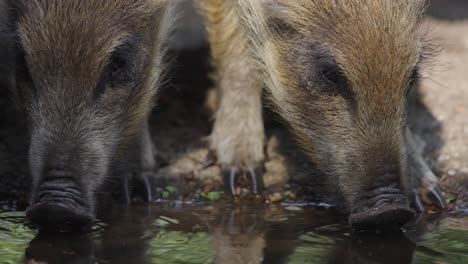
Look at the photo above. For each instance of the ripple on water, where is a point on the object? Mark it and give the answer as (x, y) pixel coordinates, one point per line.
(231, 234)
(447, 244)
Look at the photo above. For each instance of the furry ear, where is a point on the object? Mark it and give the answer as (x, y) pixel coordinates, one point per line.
(274, 4)
(276, 13)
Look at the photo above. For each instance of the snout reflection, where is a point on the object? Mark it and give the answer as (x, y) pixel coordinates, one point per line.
(60, 249)
(370, 249)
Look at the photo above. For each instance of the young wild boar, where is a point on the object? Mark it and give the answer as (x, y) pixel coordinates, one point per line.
(87, 74)
(339, 72)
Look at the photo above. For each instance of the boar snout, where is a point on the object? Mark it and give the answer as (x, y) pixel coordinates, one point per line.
(379, 197)
(383, 206)
(60, 204)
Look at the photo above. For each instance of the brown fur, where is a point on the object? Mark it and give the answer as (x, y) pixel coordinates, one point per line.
(238, 132)
(82, 47)
(351, 127)
(88, 73)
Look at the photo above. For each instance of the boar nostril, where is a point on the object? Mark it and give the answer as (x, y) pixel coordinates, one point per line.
(60, 216)
(60, 204)
(61, 190)
(389, 218)
(383, 208)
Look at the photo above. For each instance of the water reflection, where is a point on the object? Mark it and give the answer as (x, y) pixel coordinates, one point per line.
(238, 236)
(123, 237)
(245, 234)
(389, 249)
(60, 249)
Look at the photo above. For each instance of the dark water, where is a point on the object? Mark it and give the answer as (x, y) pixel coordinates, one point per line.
(231, 233)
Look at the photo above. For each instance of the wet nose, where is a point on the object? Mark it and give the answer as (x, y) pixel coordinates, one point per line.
(383, 206)
(59, 216)
(60, 204)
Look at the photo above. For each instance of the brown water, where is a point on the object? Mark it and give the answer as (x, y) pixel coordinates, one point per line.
(229, 233)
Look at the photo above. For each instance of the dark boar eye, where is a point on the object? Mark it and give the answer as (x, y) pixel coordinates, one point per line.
(336, 82)
(332, 74)
(122, 67)
(414, 78)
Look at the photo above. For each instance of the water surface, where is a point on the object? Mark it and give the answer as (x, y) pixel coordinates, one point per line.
(230, 233)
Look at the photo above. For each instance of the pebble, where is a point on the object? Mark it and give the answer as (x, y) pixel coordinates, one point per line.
(276, 198)
(293, 208)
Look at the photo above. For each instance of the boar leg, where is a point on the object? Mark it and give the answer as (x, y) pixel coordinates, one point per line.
(426, 180)
(238, 133)
(147, 160)
(140, 153)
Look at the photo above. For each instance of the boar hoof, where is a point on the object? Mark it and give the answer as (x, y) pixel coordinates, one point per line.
(148, 188)
(59, 216)
(430, 196)
(436, 197)
(232, 177)
(126, 190)
(147, 191)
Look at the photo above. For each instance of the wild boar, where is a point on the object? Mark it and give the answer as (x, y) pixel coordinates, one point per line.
(339, 72)
(87, 74)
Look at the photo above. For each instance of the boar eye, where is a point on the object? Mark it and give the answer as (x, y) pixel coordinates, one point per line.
(332, 75)
(335, 80)
(118, 67)
(122, 67)
(414, 78)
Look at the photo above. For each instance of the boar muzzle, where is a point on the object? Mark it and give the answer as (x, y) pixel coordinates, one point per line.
(384, 207)
(60, 205)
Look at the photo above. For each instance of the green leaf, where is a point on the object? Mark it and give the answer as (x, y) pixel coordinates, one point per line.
(14, 237)
(173, 247)
(212, 196)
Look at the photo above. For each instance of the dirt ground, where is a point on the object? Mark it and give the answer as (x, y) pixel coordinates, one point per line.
(182, 121)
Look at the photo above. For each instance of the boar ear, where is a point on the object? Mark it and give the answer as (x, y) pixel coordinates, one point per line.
(277, 15)
(274, 4)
